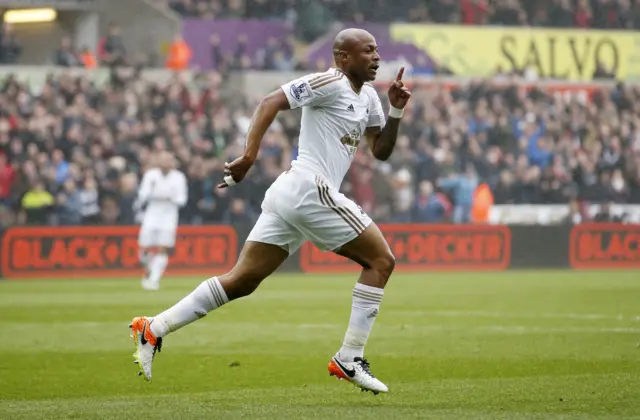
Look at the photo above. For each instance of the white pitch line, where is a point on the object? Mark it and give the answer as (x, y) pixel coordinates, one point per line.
(507, 329)
(515, 329)
(484, 314)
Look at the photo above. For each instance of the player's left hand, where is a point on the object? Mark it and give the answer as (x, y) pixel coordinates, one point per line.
(235, 171)
(398, 93)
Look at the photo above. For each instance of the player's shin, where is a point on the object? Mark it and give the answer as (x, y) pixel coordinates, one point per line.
(143, 255)
(145, 259)
(364, 310)
(157, 266)
(208, 296)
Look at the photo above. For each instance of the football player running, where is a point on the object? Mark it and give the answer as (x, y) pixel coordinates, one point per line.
(339, 107)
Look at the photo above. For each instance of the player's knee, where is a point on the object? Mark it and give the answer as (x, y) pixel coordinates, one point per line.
(384, 264)
(240, 284)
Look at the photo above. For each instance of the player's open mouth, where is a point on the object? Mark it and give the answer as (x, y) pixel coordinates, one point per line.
(374, 69)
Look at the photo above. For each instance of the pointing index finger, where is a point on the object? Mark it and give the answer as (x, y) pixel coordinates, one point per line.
(400, 73)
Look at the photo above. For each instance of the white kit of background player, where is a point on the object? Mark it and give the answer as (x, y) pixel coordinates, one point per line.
(163, 191)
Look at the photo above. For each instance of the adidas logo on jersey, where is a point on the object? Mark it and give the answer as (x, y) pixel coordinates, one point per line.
(351, 108)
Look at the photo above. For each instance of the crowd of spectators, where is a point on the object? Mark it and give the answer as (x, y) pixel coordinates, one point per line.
(528, 146)
(74, 153)
(110, 51)
(599, 14)
(277, 54)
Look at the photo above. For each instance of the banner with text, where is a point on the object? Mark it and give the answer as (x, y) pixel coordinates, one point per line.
(91, 252)
(110, 251)
(599, 246)
(427, 247)
(558, 54)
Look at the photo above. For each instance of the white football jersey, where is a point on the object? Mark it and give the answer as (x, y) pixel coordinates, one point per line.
(334, 118)
(163, 195)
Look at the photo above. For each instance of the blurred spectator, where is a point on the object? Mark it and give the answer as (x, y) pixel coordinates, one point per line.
(561, 15)
(482, 202)
(239, 214)
(363, 189)
(37, 204)
(7, 217)
(109, 211)
(314, 20)
(179, 54)
(88, 59)
(112, 48)
(60, 166)
(128, 190)
(619, 192)
(575, 215)
(605, 215)
(474, 12)
(217, 57)
(65, 56)
(462, 187)
(10, 48)
(403, 187)
(69, 205)
(89, 201)
(583, 14)
(504, 190)
(429, 207)
(7, 177)
(196, 174)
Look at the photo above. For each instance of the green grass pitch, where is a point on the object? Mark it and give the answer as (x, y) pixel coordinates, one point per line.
(511, 345)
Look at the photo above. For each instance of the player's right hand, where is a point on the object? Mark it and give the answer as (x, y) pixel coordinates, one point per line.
(237, 170)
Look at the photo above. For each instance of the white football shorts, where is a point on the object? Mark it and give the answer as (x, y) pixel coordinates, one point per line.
(301, 206)
(156, 236)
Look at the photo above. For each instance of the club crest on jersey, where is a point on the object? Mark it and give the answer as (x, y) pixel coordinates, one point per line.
(351, 141)
(300, 91)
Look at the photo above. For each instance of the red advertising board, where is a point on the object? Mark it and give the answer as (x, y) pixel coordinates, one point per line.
(111, 251)
(600, 246)
(422, 247)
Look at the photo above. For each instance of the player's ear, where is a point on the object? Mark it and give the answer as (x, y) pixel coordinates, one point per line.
(340, 55)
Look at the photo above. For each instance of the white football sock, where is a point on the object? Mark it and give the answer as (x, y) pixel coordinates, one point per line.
(366, 302)
(208, 296)
(157, 266)
(144, 258)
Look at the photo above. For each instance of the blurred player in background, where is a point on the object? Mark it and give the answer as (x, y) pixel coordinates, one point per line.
(338, 108)
(163, 191)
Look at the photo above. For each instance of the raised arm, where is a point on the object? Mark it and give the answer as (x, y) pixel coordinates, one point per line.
(382, 137)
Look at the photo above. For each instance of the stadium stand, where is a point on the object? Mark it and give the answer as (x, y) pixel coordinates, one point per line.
(597, 14)
(74, 153)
